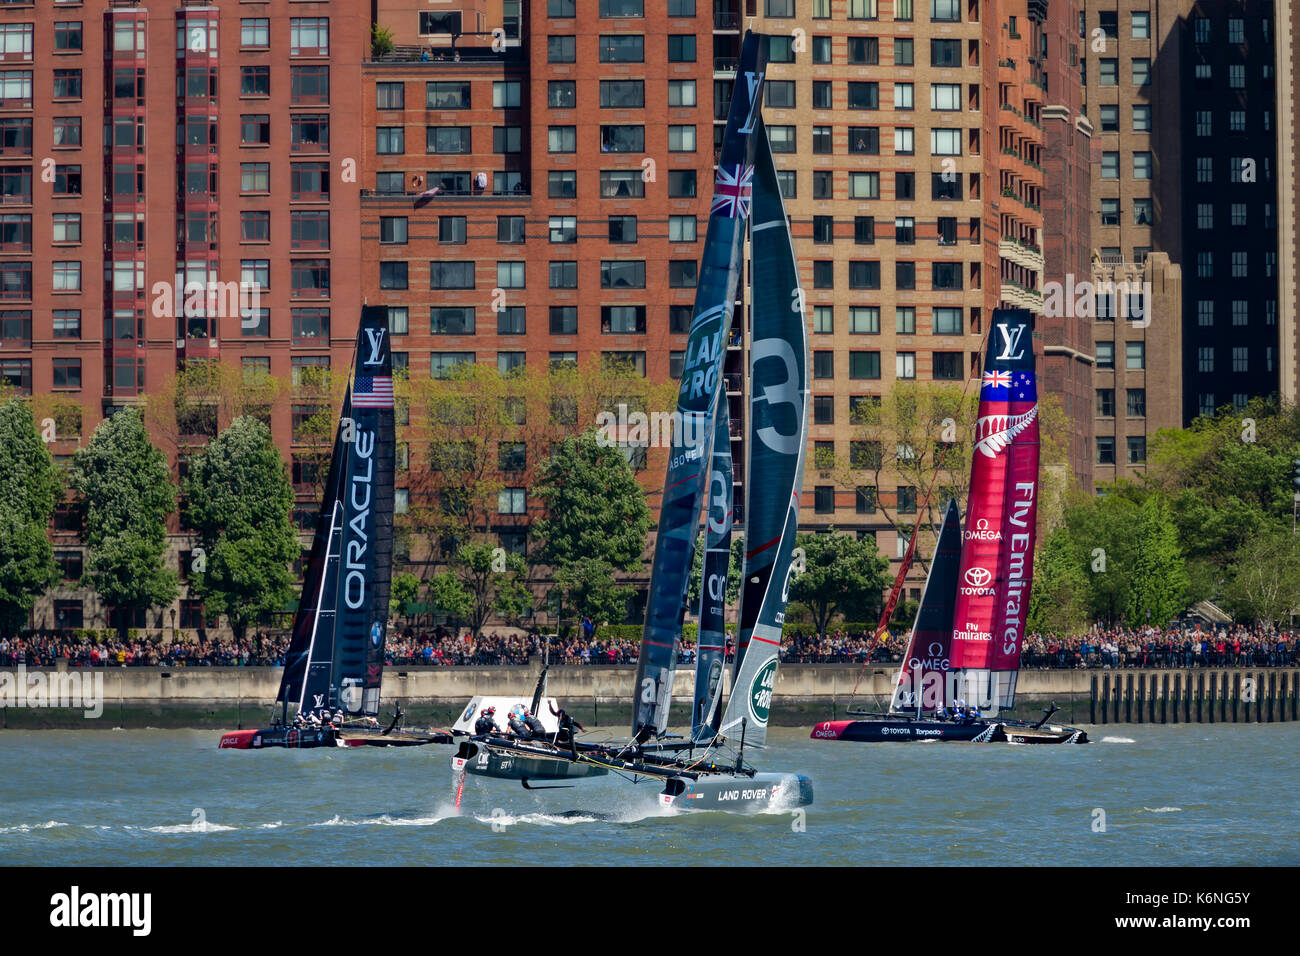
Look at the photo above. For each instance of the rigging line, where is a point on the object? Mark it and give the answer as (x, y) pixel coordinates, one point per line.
(887, 612)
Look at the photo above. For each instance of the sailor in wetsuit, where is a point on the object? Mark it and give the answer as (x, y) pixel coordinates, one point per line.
(941, 713)
(487, 722)
(536, 730)
(567, 723)
(516, 721)
(974, 713)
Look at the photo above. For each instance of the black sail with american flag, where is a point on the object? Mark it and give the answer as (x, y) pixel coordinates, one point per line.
(336, 655)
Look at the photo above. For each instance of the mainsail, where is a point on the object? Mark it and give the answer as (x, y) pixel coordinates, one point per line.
(711, 645)
(691, 453)
(336, 653)
(998, 555)
(777, 443)
(925, 666)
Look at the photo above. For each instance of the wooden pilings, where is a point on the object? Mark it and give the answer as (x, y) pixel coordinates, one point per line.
(1200, 695)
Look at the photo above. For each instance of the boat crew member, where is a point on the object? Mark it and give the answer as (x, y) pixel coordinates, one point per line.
(536, 729)
(974, 712)
(941, 713)
(516, 722)
(566, 734)
(486, 723)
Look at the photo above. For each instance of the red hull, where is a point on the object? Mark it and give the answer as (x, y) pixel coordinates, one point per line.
(238, 740)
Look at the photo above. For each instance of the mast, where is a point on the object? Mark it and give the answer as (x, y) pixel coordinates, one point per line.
(927, 654)
(697, 399)
(998, 556)
(777, 441)
(336, 654)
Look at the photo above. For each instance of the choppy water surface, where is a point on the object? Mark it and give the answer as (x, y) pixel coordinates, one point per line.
(1190, 795)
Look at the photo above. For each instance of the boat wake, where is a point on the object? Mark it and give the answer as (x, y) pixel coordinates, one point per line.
(204, 826)
(1163, 809)
(1118, 740)
(29, 827)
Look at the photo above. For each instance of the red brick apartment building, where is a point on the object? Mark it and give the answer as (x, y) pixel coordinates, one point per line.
(570, 146)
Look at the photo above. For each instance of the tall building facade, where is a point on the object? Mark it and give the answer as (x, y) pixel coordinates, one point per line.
(1288, 198)
(1184, 98)
(528, 184)
(154, 158)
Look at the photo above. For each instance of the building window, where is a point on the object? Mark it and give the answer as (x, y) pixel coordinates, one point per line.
(309, 36)
(447, 95)
(1105, 403)
(864, 365)
(390, 140)
(626, 49)
(1137, 449)
(622, 319)
(864, 320)
(1105, 450)
(563, 275)
(564, 320)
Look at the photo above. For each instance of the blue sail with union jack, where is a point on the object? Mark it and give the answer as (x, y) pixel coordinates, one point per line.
(733, 191)
(701, 386)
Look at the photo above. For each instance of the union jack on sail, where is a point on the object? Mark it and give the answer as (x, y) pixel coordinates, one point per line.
(997, 379)
(732, 191)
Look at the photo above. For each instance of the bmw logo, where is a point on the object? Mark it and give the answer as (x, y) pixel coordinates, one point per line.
(376, 633)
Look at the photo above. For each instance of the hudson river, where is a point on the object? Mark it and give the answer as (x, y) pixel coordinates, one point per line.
(1192, 795)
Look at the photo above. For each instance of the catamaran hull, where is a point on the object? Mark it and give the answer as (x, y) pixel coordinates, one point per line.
(762, 791)
(298, 738)
(985, 732)
(525, 764)
(279, 737)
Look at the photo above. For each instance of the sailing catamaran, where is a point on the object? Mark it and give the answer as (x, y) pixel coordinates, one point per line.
(700, 466)
(335, 659)
(966, 641)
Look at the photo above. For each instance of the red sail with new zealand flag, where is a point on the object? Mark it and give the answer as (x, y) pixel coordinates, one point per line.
(998, 541)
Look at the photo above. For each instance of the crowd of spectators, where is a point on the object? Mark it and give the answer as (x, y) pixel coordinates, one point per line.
(1230, 646)
(46, 650)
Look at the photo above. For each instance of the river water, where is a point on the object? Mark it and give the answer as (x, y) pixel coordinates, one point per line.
(1169, 795)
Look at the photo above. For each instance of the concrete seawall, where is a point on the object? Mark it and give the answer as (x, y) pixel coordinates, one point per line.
(805, 693)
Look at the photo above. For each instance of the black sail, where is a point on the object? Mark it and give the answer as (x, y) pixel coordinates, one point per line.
(337, 652)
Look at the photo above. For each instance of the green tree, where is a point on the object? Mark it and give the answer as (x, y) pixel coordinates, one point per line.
(484, 580)
(594, 507)
(1264, 578)
(238, 500)
(840, 573)
(1058, 601)
(595, 525)
(1158, 590)
(124, 495)
(29, 486)
(404, 592)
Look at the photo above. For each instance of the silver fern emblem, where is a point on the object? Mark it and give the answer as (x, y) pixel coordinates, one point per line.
(995, 432)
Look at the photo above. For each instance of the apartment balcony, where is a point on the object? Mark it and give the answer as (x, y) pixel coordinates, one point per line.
(1021, 253)
(1021, 296)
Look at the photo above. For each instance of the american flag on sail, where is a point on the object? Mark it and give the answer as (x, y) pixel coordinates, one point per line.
(732, 191)
(373, 391)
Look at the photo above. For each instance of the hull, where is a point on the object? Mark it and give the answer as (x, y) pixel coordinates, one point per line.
(748, 794)
(296, 738)
(279, 737)
(522, 762)
(1014, 733)
(903, 730)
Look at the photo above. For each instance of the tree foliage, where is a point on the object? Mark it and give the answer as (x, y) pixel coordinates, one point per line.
(841, 574)
(594, 525)
(238, 500)
(124, 496)
(480, 582)
(30, 489)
